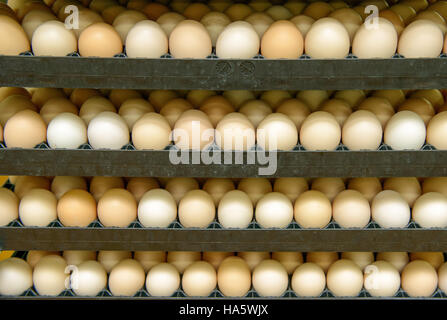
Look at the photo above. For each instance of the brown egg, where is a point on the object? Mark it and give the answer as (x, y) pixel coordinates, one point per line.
(152, 131)
(312, 210)
(100, 40)
(432, 16)
(196, 11)
(235, 132)
(196, 209)
(99, 185)
(42, 95)
(329, 186)
(119, 96)
(13, 39)
(215, 258)
(291, 187)
(10, 206)
(193, 131)
(117, 208)
(62, 184)
(394, 18)
(217, 188)
(381, 107)
(174, 108)
(255, 188)
(437, 184)
(56, 106)
(76, 208)
(256, 111)
(313, 98)
(408, 188)
(25, 129)
(421, 39)
(282, 40)
(436, 259)
(87, 17)
(110, 13)
(433, 95)
(190, 39)
(183, 259)
(238, 11)
(139, 186)
(76, 257)
(340, 109)
(419, 279)
(317, 10)
(275, 97)
(5, 92)
(417, 5)
(369, 187)
(179, 186)
(154, 10)
(421, 106)
(295, 109)
(12, 105)
(79, 96)
(94, 106)
(405, 11)
(322, 259)
(254, 258)
(234, 277)
(216, 107)
(320, 131)
(23, 184)
(394, 97)
(439, 7)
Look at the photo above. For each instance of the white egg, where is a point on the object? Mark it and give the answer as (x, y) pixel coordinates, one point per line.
(430, 210)
(66, 131)
(235, 210)
(162, 280)
(157, 208)
(88, 279)
(390, 210)
(238, 40)
(146, 39)
(108, 130)
(405, 130)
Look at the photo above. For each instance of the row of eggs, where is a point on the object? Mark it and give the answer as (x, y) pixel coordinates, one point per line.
(325, 37)
(50, 274)
(195, 208)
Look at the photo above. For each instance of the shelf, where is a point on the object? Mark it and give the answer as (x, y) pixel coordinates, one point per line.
(303, 240)
(132, 163)
(221, 74)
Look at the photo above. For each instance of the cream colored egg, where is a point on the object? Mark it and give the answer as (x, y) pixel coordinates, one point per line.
(199, 279)
(34, 19)
(362, 131)
(320, 131)
(291, 187)
(369, 187)
(25, 129)
(234, 277)
(9, 203)
(179, 186)
(331, 187)
(323, 259)
(193, 131)
(235, 132)
(436, 259)
(38, 208)
(190, 39)
(274, 210)
(327, 38)
(289, 259)
(109, 259)
(295, 109)
(157, 208)
(196, 209)
(146, 39)
(270, 278)
(56, 106)
(340, 109)
(125, 21)
(419, 279)
(215, 258)
(312, 210)
(99, 185)
(235, 210)
(398, 259)
(108, 130)
(421, 106)
(308, 280)
(381, 279)
(169, 20)
(361, 259)
(351, 209)
(408, 188)
(421, 39)
(256, 111)
(49, 275)
(390, 210)
(99, 40)
(151, 131)
(381, 107)
(76, 257)
(117, 208)
(217, 188)
(430, 210)
(15, 277)
(162, 280)
(66, 131)
(344, 278)
(126, 278)
(25, 183)
(183, 259)
(436, 131)
(13, 38)
(89, 279)
(52, 38)
(303, 23)
(76, 208)
(94, 106)
(149, 259)
(216, 107)
(282, 40)
(13, 104)
(215, 22)
(255, 188)
(277, 132)
(241, 33)
(260, 22)
(405, 130)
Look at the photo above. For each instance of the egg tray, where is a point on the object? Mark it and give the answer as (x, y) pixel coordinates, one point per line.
(214, 73)
(128, 162)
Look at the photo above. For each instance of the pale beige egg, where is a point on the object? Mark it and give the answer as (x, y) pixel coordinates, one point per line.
(270, 278)
(320, 131)
(308, 280)
(421, 39)
(274, 210)
(362, 130)
(196, 209)
(33, 256)
(312, 210)
(34, 19)
(199, 279)
(344, 278)
(381, 107)
(152, 131)
(125, 21)
(351, 209)
(234, 277)
(133, 109)
(241, 33)
(52, 38)
(390, 210)
(146, 39)
(405, 131)
(162, 280)
(126, 278)
(235, 132)
(89, 279)
(350, 19)
(419, 279)
(157, 208)
(108, 130)
(435, 131)
(277, 132)
(362, 259)
(190, 39)
(38, 208)
(49, 275)
(381, 279)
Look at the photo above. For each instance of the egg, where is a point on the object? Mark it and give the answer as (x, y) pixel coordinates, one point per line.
(217, 188)
(255, 188)
(25, 183)
(278, 12)
(435, 131)
(318, 9)
(13, 104)
(133, 109)
(56, 106)
(168, 21)
(34, 19)
(398, 259)
(162, 280)
(381, 279)
(15, 277)
(49, 275)
(193, 130)
(238, 11)
(150, 259)
(108, 130)
(197, 97)
(381, 107)
(146, 39)
(234, 277)
(282, 40)
(155, 10)
(6, 92)
(109, 259)
(99, 40)
(94, 106)
(290, 187)
(196, 11)
(277, 132)
(87, 17)
(52, 38)
(179, 186)
(421, 106)
(76, 208)
(406, 11)
(256, 111)
(344, 278)
(375, 42)
(303, 23)
(151, 125)
(351, 209)
(390, 210)
(157, 208)
(41, 95)
(241, 33)
(327, 38)
(295, 7)
(434, 96)
(173, 109)
(435, 184)
(442, 277)
(117, 208)
(430, 210)
(323, 259)
(260, 22)
(436, 259)
(289, 259)
(182, 259)
(259, 5)
(119, 96)
(295, 109)
(216, 107)
(13, 38)
(368, 187)
(196, 209)
(190, 39)
(361, 259)
(99, 185)
(275, 97)
(76, 257)
(419, 279)
(215, 23)
(38, 208)
(126, 278)
(394, 18)
(270, 278)
(215, 258)
(9, 203)
(254, 258)
(352, 97)
(274, 210)
(340, 109)
(125, 21)
(199, 279)
(89, 279)
(312, 209)
(110, 13)
(25, 129)
(320, 131)
(66, 131)
(308, 280)
(331, 187)
(350, 19)
(421, 39)
(405, 130)
(235, 132)
(235, 210)
(138, 186)
(362, 130)
(408, 188)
